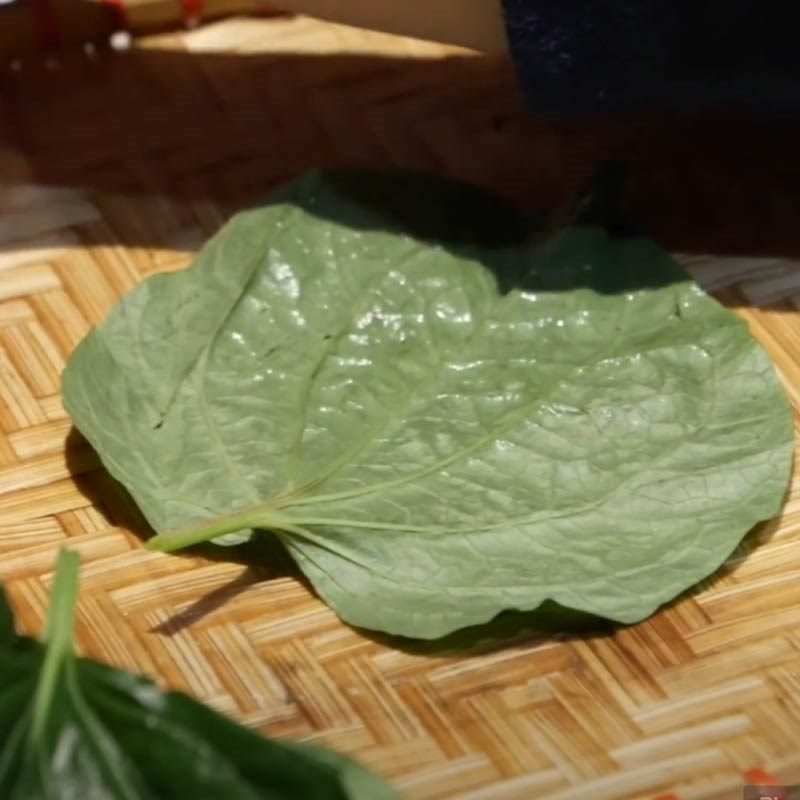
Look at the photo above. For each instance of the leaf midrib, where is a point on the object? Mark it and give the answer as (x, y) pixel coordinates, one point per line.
(506, 422)
(270, 516)
(328, 350)
(512, 418)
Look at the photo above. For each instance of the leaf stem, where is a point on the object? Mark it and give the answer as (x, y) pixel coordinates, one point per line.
(263, 517)
(58, 637)
(258, 517)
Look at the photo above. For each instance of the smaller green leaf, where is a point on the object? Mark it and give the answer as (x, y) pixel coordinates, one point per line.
(73, 729)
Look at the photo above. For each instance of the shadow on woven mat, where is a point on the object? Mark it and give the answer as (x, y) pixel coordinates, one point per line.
(264, 556)
(554, 622)
(166, 144)
(267, 559)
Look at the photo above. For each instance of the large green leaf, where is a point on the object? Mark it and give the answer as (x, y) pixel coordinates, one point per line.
(441, 420)
(73, 729)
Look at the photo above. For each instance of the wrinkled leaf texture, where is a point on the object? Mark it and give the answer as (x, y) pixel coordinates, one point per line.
(74, 729)
(441, 415)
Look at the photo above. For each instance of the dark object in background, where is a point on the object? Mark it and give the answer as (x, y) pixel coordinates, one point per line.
(583, 55)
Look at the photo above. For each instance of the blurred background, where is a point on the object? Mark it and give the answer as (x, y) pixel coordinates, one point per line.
(189, 99)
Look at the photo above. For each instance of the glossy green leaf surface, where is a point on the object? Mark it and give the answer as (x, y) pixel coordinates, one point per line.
(442, 416)
(73, 729)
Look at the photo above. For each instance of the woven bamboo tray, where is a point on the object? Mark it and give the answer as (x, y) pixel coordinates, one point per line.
(116, 166)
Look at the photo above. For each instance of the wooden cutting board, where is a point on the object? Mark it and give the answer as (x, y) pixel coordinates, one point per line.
(116, 166)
